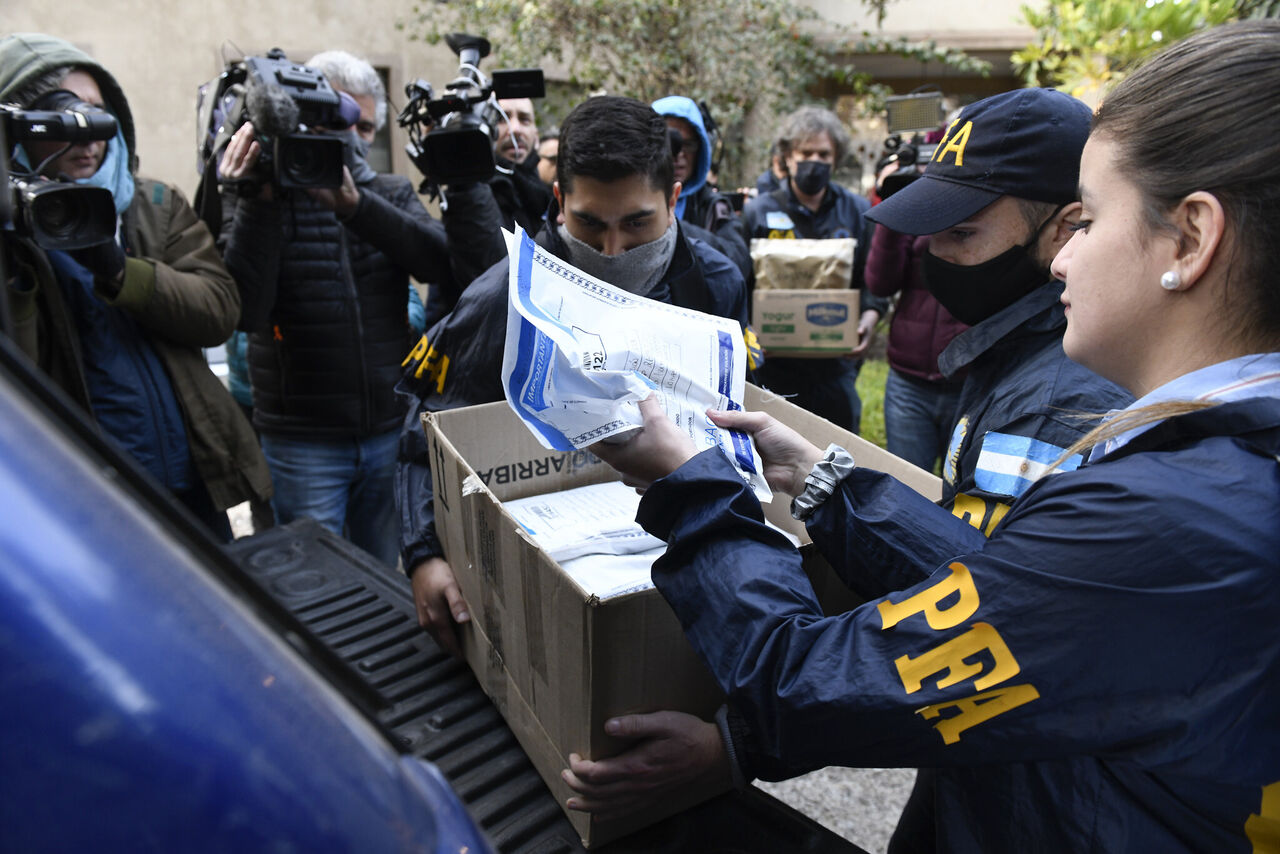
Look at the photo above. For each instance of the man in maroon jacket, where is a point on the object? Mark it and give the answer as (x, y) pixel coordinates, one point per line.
(919, 402)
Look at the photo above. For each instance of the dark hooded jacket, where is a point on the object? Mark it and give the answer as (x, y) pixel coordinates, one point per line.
(134, 361)
(324, 303)
(700, 204)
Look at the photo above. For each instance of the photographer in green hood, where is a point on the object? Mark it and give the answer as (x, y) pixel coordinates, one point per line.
(119, 326)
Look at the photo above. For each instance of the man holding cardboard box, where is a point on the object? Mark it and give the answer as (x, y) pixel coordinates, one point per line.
(812, 207)
(615, 201)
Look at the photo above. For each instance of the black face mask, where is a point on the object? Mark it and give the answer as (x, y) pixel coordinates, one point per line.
(975, 292)
(812, 176)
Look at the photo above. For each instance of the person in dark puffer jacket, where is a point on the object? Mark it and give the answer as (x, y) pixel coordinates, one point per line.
(323, 276)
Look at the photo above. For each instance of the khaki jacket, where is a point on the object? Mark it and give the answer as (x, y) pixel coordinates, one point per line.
(178, 290)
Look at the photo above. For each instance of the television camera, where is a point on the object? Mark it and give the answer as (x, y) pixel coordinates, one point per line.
(285, 101)
(916, 113)
(53, 214)
(451, 137)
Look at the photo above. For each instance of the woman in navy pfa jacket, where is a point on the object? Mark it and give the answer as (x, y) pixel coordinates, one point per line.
(1103, 673)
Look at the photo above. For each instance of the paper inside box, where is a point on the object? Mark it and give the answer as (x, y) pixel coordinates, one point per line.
(593, 533)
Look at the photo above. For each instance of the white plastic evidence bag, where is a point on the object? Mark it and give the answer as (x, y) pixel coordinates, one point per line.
(581, 354)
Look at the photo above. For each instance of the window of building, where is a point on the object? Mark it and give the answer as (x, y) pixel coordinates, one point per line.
(380, 151)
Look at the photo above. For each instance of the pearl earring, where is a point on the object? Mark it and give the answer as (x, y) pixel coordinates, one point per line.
(1171, 281)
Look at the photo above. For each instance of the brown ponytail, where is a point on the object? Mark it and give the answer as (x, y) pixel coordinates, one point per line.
(1126, 421)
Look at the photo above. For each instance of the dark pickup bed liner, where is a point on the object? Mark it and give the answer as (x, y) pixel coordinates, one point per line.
(434, 706)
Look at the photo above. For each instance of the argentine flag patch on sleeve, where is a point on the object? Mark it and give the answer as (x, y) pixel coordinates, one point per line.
(1008, 464)
(778, 220)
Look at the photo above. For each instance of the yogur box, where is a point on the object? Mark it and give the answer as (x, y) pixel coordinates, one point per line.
(818, 323)
(802, 304)
(555, 661)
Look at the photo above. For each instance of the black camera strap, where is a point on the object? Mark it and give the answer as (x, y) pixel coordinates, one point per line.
(207, 201)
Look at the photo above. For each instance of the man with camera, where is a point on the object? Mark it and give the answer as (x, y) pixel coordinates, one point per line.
(475, 212)
(323, 272)
(617, 194)
(812, 142)
(119, 326)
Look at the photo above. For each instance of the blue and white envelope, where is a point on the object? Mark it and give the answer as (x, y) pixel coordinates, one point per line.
(581, 354)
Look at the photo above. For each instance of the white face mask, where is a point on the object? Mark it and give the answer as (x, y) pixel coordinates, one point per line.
(636, 271)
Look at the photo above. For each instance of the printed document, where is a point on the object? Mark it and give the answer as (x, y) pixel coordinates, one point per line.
(581, 354)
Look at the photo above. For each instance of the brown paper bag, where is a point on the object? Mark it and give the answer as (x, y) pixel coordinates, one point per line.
(785, 264)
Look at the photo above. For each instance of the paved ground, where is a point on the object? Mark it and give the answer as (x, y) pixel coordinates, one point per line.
(862, 805)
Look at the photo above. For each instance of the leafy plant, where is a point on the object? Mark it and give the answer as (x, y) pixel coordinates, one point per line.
(1084, 46)
(735, 55)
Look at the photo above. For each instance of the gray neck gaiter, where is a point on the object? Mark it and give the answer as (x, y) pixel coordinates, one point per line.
(354, 153)
(636, 271)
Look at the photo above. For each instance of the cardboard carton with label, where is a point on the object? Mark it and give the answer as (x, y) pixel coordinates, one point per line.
(803, 303)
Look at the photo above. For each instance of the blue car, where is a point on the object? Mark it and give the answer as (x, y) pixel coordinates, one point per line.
(148, 703)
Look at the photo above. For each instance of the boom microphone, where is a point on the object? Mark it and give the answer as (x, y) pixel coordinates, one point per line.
(273, 112)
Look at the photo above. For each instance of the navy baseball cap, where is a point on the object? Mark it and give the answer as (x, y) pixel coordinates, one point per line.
(1025, 143)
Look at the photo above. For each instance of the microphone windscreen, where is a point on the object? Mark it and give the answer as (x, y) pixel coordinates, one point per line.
(271, 109)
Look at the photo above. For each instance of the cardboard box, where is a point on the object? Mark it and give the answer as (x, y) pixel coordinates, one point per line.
(821, 323)
(557, 662)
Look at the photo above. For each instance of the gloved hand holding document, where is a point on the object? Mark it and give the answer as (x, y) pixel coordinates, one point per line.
(581, 354)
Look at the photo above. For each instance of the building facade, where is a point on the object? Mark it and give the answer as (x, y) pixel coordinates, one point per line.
(161, 52)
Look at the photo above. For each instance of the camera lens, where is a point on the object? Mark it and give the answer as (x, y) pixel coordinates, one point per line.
(65, 216)
(309, 161)
(302, 165)
(58, 215)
